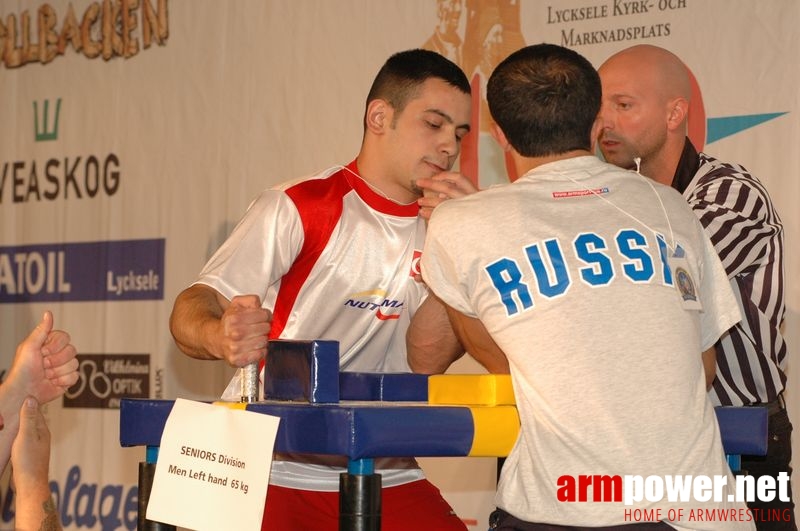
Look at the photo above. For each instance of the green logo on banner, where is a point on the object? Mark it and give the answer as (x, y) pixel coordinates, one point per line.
(42, 133)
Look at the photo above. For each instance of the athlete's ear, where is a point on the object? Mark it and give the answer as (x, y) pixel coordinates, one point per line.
(597, 128)
(378, 116)
(500, 137)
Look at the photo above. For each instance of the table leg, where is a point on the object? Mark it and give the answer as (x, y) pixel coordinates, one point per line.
(360, 497)
(734, 462)
(147, 470)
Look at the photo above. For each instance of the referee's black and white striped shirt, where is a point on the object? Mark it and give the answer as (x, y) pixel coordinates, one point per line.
(747, 233)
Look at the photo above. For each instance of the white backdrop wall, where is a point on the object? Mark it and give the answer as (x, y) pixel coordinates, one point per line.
(166, 117)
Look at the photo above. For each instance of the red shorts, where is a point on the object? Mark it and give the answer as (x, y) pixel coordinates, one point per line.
(415, 505)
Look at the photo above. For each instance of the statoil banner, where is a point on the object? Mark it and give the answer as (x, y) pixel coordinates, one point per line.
(134, 133)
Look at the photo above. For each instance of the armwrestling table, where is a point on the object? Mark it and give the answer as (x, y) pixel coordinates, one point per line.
(367, 416)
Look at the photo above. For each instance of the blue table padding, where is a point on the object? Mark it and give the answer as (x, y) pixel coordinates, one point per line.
(355, 431)
(316, 429)
(389, 387)
(363, 430)
(302, 370)
(141, 421)
(743, 429)
(420, 431)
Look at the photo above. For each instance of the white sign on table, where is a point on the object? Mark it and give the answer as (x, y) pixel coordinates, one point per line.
(213, 467)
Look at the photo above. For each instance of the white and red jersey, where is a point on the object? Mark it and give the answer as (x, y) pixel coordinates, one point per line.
(332, 259)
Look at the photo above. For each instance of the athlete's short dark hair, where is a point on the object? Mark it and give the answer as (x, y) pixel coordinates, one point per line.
(402, 74)
(545, 98)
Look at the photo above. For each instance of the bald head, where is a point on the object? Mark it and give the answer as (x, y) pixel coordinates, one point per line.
(663, 69)
(644, 117)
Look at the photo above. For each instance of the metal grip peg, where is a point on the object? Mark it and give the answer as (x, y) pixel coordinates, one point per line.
(250, 383)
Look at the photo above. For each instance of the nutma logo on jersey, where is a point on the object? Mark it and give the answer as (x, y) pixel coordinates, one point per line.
(375, 301)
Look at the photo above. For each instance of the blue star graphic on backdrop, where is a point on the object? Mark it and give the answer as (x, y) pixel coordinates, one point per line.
(718, 128)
